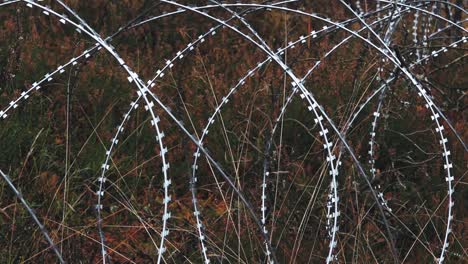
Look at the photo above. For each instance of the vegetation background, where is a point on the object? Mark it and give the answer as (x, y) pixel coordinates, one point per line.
(53, 145)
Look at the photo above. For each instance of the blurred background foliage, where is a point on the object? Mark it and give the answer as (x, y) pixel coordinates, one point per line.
(53, 145)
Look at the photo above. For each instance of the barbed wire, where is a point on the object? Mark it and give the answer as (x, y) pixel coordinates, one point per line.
(332, 137)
